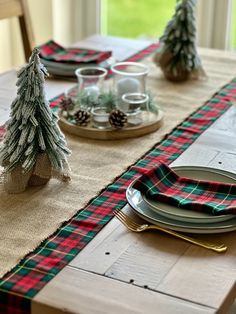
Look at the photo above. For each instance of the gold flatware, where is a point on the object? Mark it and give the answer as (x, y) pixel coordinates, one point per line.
(136, 227)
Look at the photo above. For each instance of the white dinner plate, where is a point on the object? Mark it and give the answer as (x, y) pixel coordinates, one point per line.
(136, 201)
(198, 173)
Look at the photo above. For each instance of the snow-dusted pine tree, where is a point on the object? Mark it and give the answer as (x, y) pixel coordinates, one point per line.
(34, 149)
(178, 57)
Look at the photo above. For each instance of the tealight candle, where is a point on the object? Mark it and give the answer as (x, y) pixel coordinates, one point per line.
(100, 118)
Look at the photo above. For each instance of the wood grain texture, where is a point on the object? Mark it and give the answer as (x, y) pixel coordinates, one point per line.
(204, 277)
(216, 147)
(9, 8)
(162, 263)
(147, 260)
(26, 30)
(156, 260)
(19, 8)
(77, 291)
(153, 123)
(117, 264)
(102, 248)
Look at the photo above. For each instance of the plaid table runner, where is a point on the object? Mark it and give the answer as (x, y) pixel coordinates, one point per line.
(51, 51)
(21, 284)
(164, 185)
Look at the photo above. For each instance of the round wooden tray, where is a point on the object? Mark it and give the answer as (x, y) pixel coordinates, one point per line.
(152, 122)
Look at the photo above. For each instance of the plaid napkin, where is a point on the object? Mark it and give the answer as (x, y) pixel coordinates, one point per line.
(2, 132)
(51, 51)
(164, 185)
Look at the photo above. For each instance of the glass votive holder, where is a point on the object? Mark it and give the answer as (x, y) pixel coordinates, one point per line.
(129, 77)
(91, 80)
(134, 104)
(100, 117)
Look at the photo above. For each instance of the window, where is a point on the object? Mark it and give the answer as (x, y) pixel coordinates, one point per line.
(132, 18)
(216, 20)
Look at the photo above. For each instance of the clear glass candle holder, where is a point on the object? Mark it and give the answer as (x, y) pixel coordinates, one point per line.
(129, 77)
(91, 80)
(100, 118)
(134, 104)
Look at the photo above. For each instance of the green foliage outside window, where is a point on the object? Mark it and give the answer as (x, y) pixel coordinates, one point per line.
(137, 18)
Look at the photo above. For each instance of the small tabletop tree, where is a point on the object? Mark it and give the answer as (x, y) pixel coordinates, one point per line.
(178, 57)
(34, 149)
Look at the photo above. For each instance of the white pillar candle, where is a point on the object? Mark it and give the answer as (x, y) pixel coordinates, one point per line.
(127, 85)
(92, 91)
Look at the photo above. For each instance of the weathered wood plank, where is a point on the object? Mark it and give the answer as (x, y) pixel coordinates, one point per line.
(167, 265)
(106, 248)
(204, 277)
(9, 8)
(147, 261)
(77, 291)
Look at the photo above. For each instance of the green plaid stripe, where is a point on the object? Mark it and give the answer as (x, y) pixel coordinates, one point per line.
(39, 267)
(51, 51)
(163, 185)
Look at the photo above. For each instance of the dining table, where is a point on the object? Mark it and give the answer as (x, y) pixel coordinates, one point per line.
(84, 260)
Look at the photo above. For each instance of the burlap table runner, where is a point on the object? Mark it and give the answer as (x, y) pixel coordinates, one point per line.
(27, 219)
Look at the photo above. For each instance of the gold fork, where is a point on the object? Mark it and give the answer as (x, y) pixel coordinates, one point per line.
(136, 227)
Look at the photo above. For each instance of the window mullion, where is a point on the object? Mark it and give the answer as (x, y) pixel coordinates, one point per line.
(222, 24)
(213, 23)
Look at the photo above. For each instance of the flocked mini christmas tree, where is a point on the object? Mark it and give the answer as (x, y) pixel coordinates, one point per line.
(178, 57)
(34, 149)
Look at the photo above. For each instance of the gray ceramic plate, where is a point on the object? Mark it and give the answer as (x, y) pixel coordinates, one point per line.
(198, 173)
(197, 224)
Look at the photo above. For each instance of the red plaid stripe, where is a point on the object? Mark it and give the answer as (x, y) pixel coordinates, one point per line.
(162, 184)
(140, 55)
(2, 132)
(39, 267)
(137, 57)
(52, 51)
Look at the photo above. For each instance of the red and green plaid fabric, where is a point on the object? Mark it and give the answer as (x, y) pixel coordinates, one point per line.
(162, 184)
(26, 279)
(55, 102)
(2, 132)
(51, 51)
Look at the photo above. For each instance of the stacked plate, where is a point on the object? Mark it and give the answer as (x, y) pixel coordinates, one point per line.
(68, 70)
(179, 219)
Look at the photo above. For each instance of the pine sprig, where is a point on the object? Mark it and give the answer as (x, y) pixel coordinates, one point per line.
(85, 101)
(152, 104)
(108, 100)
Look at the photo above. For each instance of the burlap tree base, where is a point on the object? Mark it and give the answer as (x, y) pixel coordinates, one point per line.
(178, 74)
(17, 181)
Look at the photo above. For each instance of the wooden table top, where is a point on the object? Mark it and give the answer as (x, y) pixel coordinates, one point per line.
(124, 272)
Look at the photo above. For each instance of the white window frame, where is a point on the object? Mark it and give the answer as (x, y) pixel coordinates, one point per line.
(91, 14)
(213, 21)
(75, 19)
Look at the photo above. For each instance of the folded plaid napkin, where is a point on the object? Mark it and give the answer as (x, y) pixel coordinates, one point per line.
(164, 185)
(2, 132)
(51, 51)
